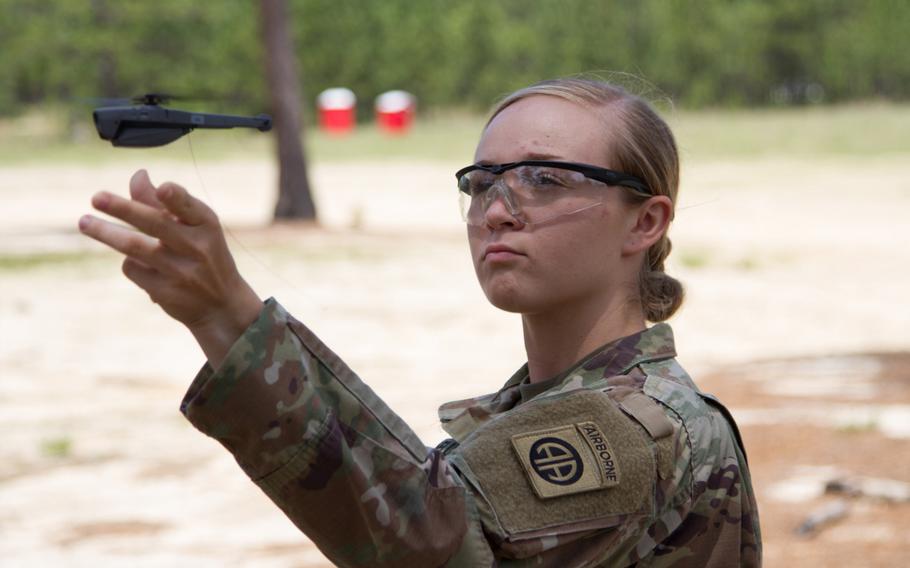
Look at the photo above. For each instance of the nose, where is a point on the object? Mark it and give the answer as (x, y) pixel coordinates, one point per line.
(501, 207)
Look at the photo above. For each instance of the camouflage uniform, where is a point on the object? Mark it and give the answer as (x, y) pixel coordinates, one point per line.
(621, 461)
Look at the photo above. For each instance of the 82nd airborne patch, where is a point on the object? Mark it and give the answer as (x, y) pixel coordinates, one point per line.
(566, 460)
(603, 453)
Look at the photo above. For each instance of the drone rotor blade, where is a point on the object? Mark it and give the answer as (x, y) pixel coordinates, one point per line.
(101, 101)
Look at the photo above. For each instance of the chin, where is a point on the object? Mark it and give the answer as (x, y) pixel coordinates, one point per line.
(508, 305)
(510, 298)
(504, 295)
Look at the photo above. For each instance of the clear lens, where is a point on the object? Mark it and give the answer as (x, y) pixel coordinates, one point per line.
(532, 194)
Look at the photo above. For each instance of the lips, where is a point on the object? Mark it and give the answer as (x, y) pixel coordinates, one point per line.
(499, 252)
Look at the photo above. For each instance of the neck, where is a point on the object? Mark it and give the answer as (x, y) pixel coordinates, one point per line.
(560, 337)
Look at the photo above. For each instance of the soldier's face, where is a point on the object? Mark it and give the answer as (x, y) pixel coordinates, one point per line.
(574, 259)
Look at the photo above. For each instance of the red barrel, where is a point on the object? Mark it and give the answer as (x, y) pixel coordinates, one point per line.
(337, 110)
(395, 111)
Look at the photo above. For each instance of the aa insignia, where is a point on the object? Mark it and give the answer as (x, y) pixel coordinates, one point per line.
(565, 460)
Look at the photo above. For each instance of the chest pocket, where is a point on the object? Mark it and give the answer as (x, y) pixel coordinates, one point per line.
(561, 463)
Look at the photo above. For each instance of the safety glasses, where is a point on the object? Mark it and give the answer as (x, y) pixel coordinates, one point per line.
(535, 191)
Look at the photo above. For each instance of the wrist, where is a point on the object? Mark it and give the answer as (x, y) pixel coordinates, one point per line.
(221, 328)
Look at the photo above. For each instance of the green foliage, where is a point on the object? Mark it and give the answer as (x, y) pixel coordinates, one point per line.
(458, 53)
(80, 50)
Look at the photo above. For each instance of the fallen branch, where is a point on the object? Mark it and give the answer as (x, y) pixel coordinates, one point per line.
(889, 490)
(822, 516)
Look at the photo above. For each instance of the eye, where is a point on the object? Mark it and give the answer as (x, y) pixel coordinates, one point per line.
(474, 183)
(464, 185)
(545, 178)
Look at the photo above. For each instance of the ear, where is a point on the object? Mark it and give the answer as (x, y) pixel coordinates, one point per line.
(648, 225)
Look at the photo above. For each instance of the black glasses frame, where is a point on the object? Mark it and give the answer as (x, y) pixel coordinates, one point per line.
(609, 177)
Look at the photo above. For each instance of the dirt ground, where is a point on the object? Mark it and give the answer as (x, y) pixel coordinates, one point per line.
(797, 316)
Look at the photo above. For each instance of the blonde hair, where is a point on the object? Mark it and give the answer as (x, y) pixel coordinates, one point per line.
(643, 146)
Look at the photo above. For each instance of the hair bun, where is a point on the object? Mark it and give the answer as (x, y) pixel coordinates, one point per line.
(661, 295)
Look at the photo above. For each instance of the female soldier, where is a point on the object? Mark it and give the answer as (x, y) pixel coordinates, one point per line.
(600, 451)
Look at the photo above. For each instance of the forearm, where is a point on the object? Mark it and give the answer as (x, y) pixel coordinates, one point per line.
(327, 450)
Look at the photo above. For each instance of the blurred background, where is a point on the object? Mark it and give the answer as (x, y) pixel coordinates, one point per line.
(791, 236)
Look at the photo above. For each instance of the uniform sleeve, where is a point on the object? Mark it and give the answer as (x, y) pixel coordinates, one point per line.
(341, 465)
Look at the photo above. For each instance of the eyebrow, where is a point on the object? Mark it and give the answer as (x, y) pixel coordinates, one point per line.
(526, 157)
(538, 156)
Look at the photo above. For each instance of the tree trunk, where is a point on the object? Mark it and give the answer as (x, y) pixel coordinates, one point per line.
(294, 199)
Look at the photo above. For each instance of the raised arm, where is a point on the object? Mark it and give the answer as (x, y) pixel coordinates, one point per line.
(333, 457)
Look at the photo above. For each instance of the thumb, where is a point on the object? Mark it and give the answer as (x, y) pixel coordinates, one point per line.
(184, 206)
(142, 190)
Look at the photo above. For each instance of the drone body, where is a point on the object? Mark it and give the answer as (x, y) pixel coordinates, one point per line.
(149, 124)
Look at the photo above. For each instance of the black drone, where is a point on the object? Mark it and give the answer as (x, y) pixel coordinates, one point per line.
(146, 123)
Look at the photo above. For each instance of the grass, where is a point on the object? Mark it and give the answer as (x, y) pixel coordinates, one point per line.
(848, 130)
(60, 447)
(19, 262)
(444, 137)
(700, 258)
(860, 427)
(694, 259)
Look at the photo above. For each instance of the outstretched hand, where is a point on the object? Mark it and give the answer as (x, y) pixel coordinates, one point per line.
(179, 256)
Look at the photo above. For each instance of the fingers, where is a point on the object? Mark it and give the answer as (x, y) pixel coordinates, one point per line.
(142, 190)
(172, 197)
(178, 255)
(183, 228)
(121, 239)
(146, 218)
(184, 206)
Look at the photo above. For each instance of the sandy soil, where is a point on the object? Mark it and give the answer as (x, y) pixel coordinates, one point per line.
(797, 316)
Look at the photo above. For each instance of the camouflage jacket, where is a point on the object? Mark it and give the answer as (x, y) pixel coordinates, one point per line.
(622, 461)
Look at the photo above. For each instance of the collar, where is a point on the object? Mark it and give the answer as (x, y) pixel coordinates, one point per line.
(460, 418)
